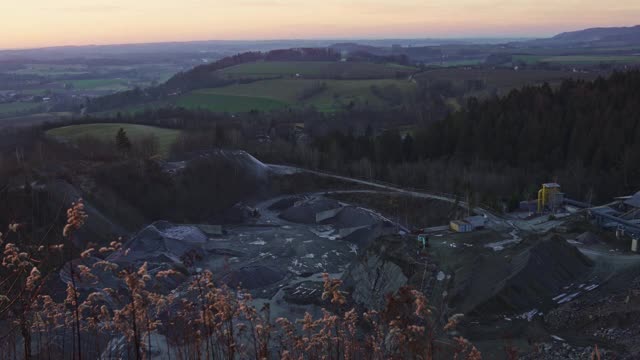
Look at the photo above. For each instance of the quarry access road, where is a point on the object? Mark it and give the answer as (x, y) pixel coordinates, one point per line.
(286, 169)
(621, 260)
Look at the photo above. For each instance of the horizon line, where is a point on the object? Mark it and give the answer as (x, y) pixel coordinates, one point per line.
(345, 38)
(373, 38)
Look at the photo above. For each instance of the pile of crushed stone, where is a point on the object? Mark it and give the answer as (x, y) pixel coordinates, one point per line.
(253, 277)
(336, 221)
(588, 238)
(306, 211)
(560, 350)
(528, 280)
(163, 242)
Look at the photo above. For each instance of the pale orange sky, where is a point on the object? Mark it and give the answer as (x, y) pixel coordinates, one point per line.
(34, 23)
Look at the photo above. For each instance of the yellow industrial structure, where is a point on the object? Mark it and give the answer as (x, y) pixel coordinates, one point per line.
(549, 197)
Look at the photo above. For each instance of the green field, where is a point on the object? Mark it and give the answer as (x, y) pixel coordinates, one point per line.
(282, 90)
(502, 80)
(36, 118)
(342, 92)
(91, 80)
(39, 92)
(578, 59)
(133, 109)
(99, 84)
(316, 69)
(282, 84)
(166, 137)
(527, 59)
(453, 63)
(273, 94)
(8, 109)
(227, 103)
(52, 70)
(592, 59)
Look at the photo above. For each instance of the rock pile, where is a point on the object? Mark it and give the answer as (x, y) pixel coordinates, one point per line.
(563, 351)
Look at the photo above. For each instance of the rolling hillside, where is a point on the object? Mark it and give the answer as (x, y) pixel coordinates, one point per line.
(270, 85)
(317, 69)
(325, 95)
(333, 78)
(263, 81)
(601, 34)
(593, 37)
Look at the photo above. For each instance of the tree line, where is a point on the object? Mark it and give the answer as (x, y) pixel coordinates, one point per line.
(583, 134)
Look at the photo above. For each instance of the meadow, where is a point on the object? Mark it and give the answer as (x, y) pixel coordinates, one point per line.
(593, 59)
(278, 93)
(578, 59)
(9, 109)
(334, 94)
(132, 109)
(107, 132)
(227, 103)
(273, 94)
(503, 80)
(99, 84)
(316, 69)
(454, 63)
(52, 70)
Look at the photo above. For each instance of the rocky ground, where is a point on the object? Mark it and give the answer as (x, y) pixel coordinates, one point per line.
(610, 317)
(551, 298)
(560, 350)
(278, 254)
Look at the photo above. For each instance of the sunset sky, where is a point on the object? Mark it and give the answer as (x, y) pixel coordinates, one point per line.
(35, 23)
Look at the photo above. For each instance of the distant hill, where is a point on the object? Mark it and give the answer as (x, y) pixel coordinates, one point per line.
(600, 34)
(314, 71)
(355, 61)
(356, 47)
(594, 37)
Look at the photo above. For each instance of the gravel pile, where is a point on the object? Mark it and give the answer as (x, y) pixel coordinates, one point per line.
(304, 212)
(162, 242)
(564, 351)
(253, 277)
